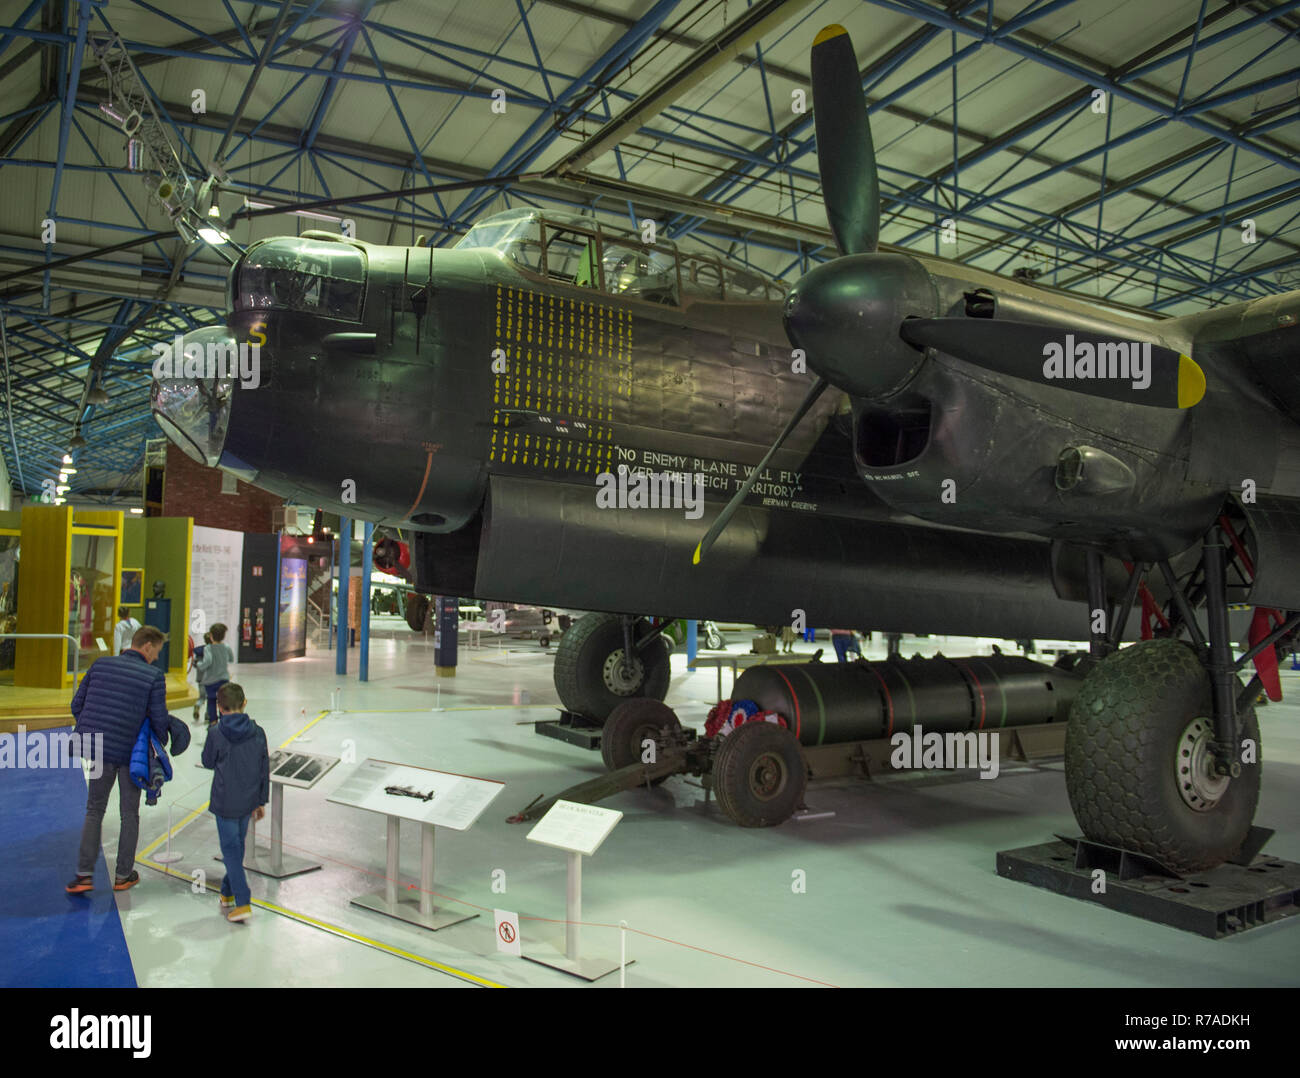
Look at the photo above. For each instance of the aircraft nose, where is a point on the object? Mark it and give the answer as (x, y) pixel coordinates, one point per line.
(194, 380)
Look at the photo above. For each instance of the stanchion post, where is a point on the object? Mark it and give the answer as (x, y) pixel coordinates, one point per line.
(394, 860)
(277, 826)
(167, 857)
(573, 907)
(622, 954)
(426, 869)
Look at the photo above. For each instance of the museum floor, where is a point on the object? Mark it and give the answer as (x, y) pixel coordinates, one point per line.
(900, 881)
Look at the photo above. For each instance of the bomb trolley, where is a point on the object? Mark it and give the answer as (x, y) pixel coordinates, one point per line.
(839, 719)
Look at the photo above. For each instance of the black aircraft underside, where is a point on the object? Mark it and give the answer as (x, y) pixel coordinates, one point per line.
(501, 497)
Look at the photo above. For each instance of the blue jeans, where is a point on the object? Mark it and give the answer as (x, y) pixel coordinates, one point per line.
(211, 690)
(230, 834)
(843, 645)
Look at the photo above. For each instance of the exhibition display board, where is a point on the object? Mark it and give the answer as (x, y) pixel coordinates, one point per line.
(429, 798)
(288, 768)
(216, 563)
(163, 547)
(578, 830)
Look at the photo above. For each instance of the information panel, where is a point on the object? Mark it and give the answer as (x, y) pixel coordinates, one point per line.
(299, 768)
(574, 827)
(417, 793)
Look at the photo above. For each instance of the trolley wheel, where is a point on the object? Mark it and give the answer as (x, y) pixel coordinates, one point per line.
(627, 728)
(759, 775)
(1137, 766)
(591, 676)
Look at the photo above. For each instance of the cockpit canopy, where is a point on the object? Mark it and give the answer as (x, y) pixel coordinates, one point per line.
(295, 274)
(584, 252)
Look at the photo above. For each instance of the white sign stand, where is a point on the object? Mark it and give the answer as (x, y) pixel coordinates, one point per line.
(578, 830)
(424, 796)
(419, 911)
(271, 860)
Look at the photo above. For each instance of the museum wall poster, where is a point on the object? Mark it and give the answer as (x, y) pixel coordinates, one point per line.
(216, 564)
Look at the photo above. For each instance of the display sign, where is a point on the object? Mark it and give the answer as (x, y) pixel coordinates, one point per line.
(417, 793)
(507, 929)
(215, 568)
(301, 769)
(574, 827)
(292, 638)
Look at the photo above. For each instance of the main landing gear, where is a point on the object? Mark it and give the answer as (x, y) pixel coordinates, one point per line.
(1162, 754)
(605, 659)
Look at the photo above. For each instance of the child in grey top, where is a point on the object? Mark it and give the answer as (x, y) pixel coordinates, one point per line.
(213, 668)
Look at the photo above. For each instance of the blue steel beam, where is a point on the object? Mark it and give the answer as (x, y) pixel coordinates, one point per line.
(1188, 115)
(347, 40)
(528, 146)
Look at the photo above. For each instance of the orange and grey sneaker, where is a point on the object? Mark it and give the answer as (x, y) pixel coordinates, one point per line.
(240, 913)
(126, 882)
(227, 902)
(80, 885)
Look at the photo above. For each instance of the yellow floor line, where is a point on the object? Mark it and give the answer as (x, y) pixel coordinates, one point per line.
(305, 729)
(336, 930)
(172, 832)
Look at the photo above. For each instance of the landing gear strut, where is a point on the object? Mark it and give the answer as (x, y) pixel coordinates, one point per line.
(1162, 755)
(605, 659)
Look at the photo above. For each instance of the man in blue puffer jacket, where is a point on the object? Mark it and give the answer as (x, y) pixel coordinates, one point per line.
(114, 698)
(241, 786)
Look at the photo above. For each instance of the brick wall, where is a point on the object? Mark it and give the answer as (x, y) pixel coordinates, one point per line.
(192, 490)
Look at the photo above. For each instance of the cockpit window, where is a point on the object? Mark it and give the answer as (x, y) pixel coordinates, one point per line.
(580, 250)
(571, 256)
(640, 272)
(518, 238)
(302, 275)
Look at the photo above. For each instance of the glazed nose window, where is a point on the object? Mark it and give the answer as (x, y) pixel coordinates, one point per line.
(312, 276)
(191, 400)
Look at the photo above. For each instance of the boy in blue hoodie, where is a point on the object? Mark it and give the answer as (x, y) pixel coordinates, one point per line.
(241, 786)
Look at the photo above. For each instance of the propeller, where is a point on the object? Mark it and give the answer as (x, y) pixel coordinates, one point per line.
(846, 157)
(1098, 365)
(867, 319)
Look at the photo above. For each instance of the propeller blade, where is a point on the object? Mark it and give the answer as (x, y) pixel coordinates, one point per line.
(1136, 372)
(729, 510)
(846, 158)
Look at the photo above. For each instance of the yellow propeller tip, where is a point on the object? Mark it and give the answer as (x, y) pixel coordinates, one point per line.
(1191, 382)
(695, 558)
(828, 32)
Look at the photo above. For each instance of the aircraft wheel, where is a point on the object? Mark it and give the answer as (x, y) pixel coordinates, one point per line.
(418, 610)
(629, 725)
(591, 676)
(1137, 762)
(713, 639)
(759, 775)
